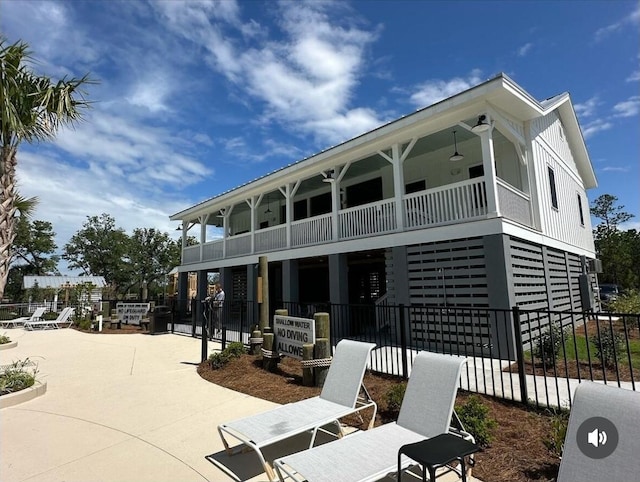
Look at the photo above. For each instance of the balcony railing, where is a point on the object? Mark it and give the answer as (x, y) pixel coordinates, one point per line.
(454, 203)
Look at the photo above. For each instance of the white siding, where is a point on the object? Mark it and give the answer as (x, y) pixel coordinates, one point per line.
(550, 150)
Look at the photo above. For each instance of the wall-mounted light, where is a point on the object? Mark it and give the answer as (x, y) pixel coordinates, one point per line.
(481, 125)
(328, 176)
(456, 156)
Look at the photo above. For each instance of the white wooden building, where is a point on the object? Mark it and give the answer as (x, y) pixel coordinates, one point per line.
(394, 216)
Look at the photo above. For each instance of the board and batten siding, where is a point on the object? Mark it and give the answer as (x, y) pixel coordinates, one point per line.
(551, 150)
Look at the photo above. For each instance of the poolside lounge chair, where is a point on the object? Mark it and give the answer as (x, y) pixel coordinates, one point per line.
(340, 396)
(35, 316)
(63, 317)
(426, 411)
(622, 408)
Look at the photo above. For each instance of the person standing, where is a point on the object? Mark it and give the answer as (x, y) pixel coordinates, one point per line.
(218, 302)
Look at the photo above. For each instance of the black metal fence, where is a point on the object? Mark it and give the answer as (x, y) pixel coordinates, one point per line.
(538, 356)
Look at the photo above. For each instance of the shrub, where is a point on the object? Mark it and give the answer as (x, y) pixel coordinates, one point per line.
(84, 324)
(50, 315)
(609, 346)
(394, 396)
(555, 442)
(233, 350)
(8, 315)
(475, 418)
(628, 302)
(4, 339)
(16, 377)
(549, 344)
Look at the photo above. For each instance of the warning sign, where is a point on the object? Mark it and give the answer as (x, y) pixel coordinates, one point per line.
(292, 333)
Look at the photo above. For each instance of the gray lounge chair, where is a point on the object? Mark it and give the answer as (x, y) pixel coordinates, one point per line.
(63, 317)
(16, 322)
(622, 408)
(340, 397)
(426, 411)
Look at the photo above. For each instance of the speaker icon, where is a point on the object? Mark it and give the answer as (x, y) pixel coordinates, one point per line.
(597, 437)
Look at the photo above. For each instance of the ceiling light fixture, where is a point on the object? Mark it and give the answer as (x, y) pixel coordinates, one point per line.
(268, 211)
(456, 155)
(481, 126)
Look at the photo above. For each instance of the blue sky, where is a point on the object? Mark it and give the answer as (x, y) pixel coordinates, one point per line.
(198, 97)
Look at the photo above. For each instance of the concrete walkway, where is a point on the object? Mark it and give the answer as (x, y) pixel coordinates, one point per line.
(123, 408)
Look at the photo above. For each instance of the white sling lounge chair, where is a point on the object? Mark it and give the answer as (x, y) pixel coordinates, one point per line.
(35, 316)
(63, 317)
(426, 411)
(340, 396)
(622, 408)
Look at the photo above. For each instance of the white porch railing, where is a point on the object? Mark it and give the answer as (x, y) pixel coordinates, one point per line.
(457, 202)
(191, 254)
(450, 203)
(514, 204)
(239, 244)
(374, 218)
(212, 250)
(271, 238)
(315, 230)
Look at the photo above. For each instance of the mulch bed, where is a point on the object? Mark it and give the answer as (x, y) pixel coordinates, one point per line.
(106, 328)
(517, 453)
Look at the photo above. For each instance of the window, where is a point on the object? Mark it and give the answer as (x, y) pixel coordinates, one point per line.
(415, 186)
(552, 187)
(320, 204)
(300, 209)
(476, 171)
(580, 210)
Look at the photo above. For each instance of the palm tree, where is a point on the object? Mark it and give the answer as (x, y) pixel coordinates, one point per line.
(33, 108)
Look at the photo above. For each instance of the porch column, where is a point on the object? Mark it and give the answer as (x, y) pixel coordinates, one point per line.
(184, 239)
(201, 294)
(226, 281)
(335, 207)
(289, 191)
(398, 185)
(183, 285)
(290, 290)
(338, 279)
(489, 165)
(250, 302)
(252, 206)
(203, 233)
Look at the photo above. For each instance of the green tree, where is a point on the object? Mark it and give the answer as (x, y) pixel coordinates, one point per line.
(152, 254)
(33, 108)
(100, 249)
(33, 250)
(617, 249)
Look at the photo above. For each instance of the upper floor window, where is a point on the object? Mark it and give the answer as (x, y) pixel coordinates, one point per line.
(580, 210)
(415, 186)
(552, 187)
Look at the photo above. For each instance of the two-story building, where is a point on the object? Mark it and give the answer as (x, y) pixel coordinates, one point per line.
(476, 201)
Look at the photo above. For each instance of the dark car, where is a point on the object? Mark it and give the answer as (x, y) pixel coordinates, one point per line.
(608, 293)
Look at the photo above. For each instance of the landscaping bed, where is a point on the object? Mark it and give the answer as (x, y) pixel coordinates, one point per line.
(517, 452)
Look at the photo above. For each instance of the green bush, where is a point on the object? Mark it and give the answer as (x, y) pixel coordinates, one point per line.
(628, 302)
(233, 350)
(394, 396)
(16, 377)
(8, 315)
(84, 324)
(550, 344)
(50, 315)
(609, 346)
(4, 339)
(475, 418)
(555, 442)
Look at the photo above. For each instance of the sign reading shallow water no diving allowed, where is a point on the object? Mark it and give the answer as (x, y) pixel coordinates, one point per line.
(291, 333)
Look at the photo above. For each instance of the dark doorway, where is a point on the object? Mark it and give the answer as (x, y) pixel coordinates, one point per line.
(365, 192)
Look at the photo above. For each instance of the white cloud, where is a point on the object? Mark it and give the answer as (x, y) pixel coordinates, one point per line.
(303, 79)
(628, 108)
(632, 19)
(635, 76)
(588, 108)
(630, 225)
(435, 90)
(615, 169)
(524, 50)
(596, 126)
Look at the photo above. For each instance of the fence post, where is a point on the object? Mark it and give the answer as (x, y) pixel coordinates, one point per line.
(517, 332)
(205, 339)
(194, 317)
(403, 343)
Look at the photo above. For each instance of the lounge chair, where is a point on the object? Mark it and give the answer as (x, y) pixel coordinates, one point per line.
(63, 317)
(14, 323)
(622, 408)
(426, 411)
(340, 396)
